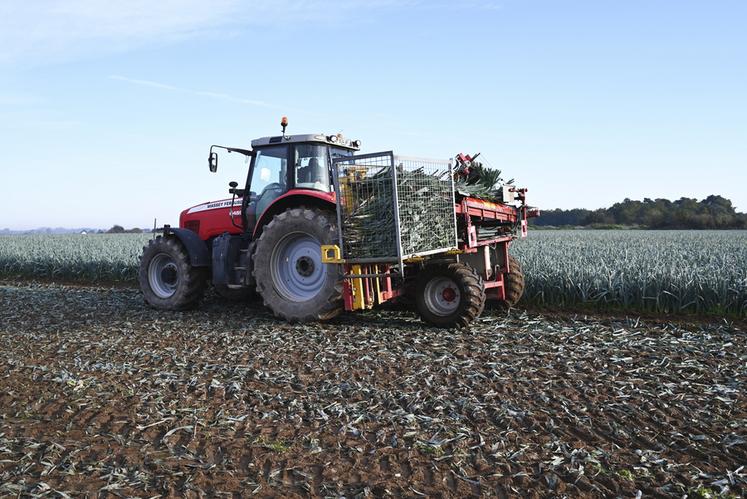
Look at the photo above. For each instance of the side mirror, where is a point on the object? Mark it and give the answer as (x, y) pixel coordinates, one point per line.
(213, 162)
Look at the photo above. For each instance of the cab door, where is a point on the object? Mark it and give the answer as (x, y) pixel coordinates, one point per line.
(268, 181)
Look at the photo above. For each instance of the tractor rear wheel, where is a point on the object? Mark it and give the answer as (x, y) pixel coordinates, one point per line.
(450, 295)
(167, 279)
(514, 282)
(288, 268)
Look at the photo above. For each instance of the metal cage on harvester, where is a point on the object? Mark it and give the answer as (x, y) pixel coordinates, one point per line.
(392, 208)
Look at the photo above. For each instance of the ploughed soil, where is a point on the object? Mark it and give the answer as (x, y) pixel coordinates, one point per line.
(102, 396)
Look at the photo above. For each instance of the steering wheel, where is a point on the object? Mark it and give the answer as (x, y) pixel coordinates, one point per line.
(268, 194)
(275, 186)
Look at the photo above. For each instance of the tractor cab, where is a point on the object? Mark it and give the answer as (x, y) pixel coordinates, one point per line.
(291, 165)
(284, 171)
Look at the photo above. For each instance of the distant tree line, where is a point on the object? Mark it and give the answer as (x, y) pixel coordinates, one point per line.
(118, 229)
(713, 212)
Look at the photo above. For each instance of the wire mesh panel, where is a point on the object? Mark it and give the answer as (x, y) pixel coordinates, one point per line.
(394, 207)
(364, 186)
(425, 192)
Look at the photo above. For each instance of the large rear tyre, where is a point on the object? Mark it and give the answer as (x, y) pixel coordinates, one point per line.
(288, 268)
(167, 279)
(448, 296)
(514, 282)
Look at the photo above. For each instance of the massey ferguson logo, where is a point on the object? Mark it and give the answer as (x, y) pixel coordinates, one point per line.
(225, 203)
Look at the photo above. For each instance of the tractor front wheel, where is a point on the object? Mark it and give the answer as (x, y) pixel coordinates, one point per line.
(451, 295)
(288, 268)
(167, 279)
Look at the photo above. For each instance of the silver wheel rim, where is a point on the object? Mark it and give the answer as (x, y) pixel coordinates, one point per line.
(163, 275)
(442, 296)
(296, 267)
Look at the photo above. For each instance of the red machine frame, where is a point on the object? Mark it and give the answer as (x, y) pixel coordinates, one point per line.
(374, 281)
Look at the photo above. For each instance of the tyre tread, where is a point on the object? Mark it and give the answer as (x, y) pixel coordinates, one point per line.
(514, 282)
(194, 278)
(472, 287)
(272, 230)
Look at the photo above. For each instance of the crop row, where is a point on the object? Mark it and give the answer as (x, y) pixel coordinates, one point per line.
(74, 257)
(660, 271)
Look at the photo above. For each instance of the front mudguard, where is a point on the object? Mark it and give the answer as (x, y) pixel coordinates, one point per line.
(197, 249)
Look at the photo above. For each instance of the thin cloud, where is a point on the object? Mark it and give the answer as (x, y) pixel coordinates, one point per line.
(58, 30)
(62, 30)
(201, 93)
(145, 83)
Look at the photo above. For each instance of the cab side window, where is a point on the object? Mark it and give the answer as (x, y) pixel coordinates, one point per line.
(312, 167)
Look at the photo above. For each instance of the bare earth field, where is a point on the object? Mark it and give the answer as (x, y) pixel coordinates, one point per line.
(100, 396)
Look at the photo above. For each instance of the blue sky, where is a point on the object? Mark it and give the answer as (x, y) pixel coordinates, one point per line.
(107, 111)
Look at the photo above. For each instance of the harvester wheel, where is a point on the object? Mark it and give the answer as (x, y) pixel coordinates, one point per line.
(514, 282)
(451, 295)
(167, 279)
(288, 268)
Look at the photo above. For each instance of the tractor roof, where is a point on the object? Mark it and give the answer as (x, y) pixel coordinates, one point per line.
(333, 140)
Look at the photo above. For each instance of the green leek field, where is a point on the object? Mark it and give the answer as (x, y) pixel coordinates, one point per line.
(656, 271)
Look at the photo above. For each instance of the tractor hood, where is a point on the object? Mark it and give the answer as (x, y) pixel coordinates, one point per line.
(213, 218)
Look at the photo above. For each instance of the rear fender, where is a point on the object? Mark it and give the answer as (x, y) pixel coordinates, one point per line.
(294, 199)
(197, 249)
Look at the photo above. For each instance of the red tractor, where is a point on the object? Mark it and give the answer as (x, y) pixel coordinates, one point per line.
(318, 229)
